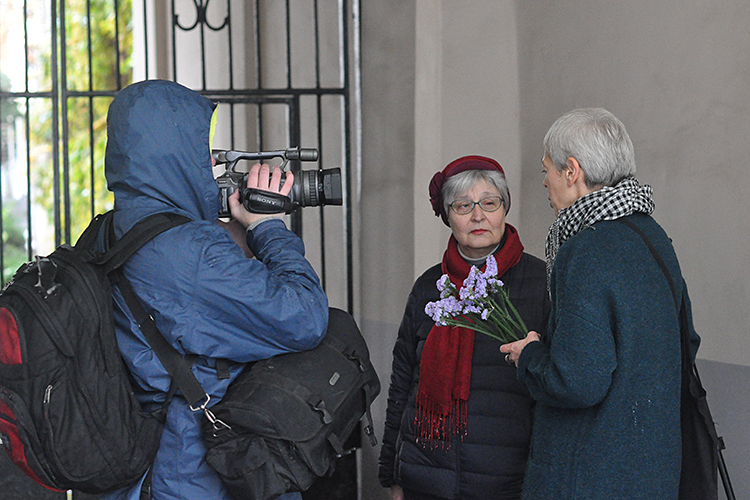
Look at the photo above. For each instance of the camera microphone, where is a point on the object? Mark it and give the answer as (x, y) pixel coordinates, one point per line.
(302, 154)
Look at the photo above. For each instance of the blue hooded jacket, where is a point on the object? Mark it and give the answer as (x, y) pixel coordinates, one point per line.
(206, 296)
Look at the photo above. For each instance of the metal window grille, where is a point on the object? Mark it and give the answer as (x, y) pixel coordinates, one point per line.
(280, 69)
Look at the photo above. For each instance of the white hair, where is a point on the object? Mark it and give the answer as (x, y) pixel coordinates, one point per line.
(597, 140)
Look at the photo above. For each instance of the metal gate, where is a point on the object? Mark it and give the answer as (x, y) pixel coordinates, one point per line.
(280, 69)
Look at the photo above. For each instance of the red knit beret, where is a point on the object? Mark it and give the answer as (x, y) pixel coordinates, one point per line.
(456, 167)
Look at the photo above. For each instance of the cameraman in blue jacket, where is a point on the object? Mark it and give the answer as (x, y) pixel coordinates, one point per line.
(207, 297)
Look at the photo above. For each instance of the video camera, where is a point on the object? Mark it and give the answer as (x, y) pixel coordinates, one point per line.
(311, 188)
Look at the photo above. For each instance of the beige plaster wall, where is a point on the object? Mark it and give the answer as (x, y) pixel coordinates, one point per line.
(439, 81)
(676, 73)
(467, 103)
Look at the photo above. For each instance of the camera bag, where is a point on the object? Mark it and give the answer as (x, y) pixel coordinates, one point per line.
(68, 415)
(284, 420)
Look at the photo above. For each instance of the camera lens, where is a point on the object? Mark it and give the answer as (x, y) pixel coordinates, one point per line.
(313, 188)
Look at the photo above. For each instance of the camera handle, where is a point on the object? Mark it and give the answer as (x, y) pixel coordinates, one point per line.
(296, 153)
(258, 201)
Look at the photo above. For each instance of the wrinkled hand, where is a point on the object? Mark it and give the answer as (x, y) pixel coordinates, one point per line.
(397, 492)
(513, 350)
(260, 177)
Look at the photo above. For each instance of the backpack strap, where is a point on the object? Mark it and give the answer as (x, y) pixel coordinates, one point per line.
(222, 369)
(178, 367)
(88, 237)
(141, 233)
(370, 427)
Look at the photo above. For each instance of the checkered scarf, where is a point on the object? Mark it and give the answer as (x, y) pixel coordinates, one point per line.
(607, 203)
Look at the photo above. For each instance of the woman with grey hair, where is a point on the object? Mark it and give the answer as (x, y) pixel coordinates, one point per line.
(606, 377)
(458, 423)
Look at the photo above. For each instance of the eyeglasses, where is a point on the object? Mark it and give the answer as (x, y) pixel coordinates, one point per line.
(488, 204)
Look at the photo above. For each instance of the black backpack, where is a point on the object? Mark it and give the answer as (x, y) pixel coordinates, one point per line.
(285, 420)
(68, 415)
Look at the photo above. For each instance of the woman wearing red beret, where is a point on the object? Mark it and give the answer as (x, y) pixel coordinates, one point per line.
(458, 423)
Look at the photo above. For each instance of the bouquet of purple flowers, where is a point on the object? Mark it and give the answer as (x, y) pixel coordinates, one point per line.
(481, 305)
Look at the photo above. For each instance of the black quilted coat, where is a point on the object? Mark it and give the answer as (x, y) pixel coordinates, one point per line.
(489, 462)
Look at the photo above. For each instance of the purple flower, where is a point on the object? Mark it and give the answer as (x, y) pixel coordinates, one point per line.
(445, 287)
(481, 305)
(442, 309)
(491, 269)
(471, 278)
(471, 308)
(443, 282)
(480, 287)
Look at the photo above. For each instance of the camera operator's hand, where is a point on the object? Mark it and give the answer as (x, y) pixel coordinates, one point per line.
(260, 177)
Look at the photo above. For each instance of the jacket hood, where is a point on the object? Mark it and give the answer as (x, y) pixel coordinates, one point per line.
(158, 156)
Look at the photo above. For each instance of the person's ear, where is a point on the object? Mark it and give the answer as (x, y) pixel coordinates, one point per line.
(573, 171)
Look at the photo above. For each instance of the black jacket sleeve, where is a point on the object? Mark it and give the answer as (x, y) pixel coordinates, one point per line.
(402, 379)
(415, 326)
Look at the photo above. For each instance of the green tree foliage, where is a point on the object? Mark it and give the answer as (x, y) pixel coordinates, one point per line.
(98, 57)
(13, 238)
(14, 243)
(9, 109)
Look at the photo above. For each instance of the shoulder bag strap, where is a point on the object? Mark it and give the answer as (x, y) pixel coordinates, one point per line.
(141, 233)
(656, 255)
(687, 361)
(688, 365)
(178, 367)
(689, 370)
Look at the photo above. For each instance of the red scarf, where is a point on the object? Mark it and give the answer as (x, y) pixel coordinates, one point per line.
(445, 368)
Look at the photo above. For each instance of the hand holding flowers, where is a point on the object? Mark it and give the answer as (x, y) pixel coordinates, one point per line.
(482, 305)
